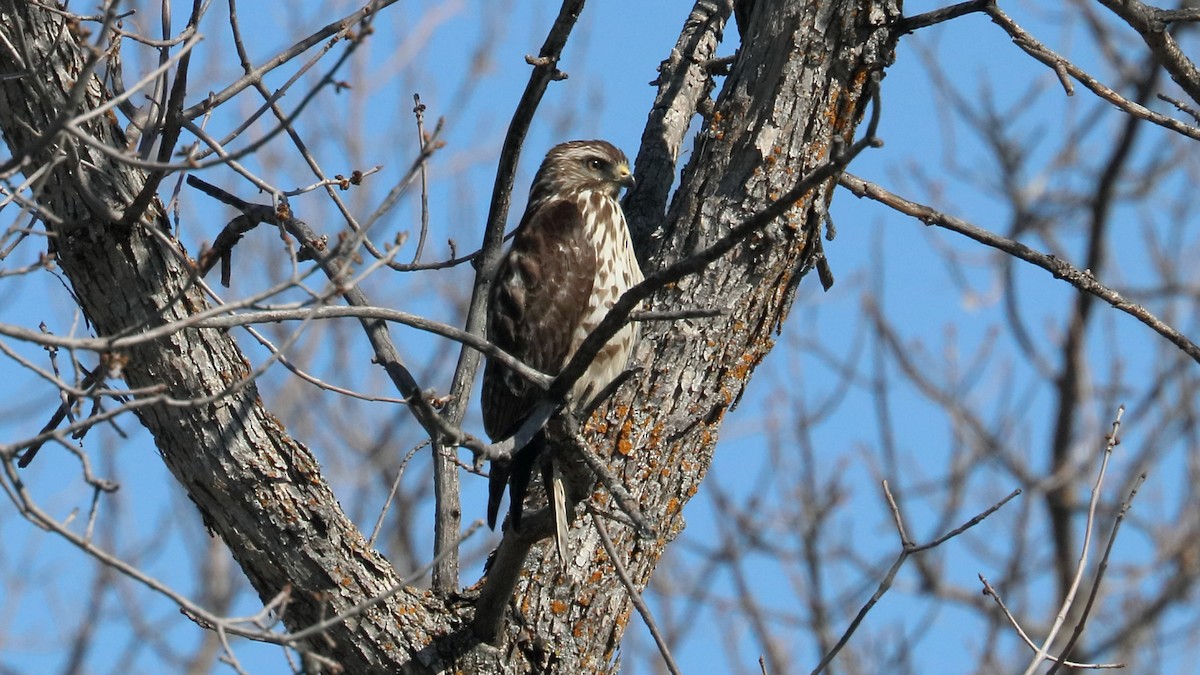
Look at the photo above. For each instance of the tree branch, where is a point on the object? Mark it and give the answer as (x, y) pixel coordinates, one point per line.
(1080, 279)
(545, 71)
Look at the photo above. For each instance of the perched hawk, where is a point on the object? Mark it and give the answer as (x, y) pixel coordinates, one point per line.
(571, 259)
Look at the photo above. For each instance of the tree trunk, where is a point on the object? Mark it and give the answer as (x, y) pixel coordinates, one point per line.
(798, 85)
(256, 487)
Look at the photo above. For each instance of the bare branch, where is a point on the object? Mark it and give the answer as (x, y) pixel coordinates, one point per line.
(1043, 651)
(907, 548)
(1037, 50)
(338, 30)
(1081, 280)
(1150, 24)
(910, 24)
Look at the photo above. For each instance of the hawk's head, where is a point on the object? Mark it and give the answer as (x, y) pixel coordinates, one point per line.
(576, 166)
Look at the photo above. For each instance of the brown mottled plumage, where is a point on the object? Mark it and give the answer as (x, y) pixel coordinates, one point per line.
(570, 260)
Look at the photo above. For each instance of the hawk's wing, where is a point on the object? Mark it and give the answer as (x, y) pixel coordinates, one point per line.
(539, 296)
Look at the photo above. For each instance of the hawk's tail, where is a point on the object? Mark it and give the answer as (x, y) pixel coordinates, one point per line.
(497, 480)
(558, 500)
(516, 474)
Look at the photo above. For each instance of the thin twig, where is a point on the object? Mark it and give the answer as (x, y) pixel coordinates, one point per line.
(991, 592)
(387, 503)
(1100, 570)
(635, 597)
(1012, 620)
(91, 381)
(419, 111)
(1030, 45)
(912, 23)
(337, 30)
(1112, 441)
(677, 314)
(1043, 651)
(625, 501)
(906, 549)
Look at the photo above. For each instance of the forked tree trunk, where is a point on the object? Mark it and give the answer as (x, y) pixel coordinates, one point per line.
(800, 81)
(796, 86)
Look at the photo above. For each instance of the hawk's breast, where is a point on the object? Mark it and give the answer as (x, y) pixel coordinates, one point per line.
(617, 271)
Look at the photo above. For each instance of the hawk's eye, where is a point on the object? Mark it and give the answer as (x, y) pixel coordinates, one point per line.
(596, 164)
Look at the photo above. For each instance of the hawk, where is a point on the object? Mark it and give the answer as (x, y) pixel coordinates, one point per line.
(571, 259)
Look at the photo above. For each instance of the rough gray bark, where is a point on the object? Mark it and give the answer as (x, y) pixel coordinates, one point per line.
(795, 89)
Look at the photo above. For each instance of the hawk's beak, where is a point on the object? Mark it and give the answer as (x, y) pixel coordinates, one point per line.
(624, 176)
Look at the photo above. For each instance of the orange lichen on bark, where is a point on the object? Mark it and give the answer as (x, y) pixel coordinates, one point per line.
(655, 437)
(714, 125)
(833, 107)
(742, 369)
(624, 444)
(623, 620)
(861, 76)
